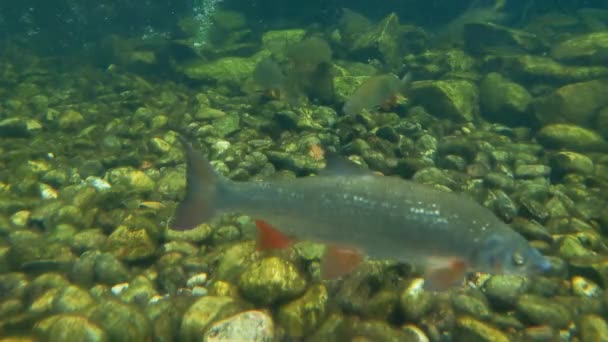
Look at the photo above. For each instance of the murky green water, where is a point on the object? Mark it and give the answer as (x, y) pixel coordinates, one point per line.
(506, 102)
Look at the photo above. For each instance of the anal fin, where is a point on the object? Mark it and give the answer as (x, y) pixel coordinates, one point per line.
(271, 238)
(339, 261)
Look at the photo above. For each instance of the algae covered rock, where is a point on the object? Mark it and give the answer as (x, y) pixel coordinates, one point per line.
(570, 137)
(235, 260)
(585, 48)
(232, 71)
(470, 329)
(130, 179)
(278, 41)
(304, 314)
(593, 328)
(504, 289)
(469, 304)
(576, 103)
(539, 310)
(202, 313)
(270, 280)
(540, 68)
(131, 244)
(504, 101)
(483, 37)
(383, 39)
(72, 299)
(67, 327)
(453, 99)
(415, 301)
(120, 321)
(565, 162)
(19, 127)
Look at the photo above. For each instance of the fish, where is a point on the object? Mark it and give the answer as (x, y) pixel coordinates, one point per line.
(376, 91)
(356, 214)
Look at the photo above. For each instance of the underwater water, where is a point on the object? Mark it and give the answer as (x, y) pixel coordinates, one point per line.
(502, 102)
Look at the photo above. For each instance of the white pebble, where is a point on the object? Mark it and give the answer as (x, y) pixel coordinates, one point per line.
(98, 183)
(199, 291)
(47, 191)
(119, 288)
(197, 279)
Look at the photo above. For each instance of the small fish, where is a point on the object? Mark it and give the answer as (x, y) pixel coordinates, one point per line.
(358, 213)
(376, 91)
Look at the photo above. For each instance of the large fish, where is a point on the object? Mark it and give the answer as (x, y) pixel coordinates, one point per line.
(357, 212)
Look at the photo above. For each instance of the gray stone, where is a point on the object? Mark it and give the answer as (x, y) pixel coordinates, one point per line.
(254, 326)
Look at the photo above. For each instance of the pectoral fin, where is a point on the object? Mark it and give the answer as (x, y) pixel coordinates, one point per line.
(339, 261)
(440, 278)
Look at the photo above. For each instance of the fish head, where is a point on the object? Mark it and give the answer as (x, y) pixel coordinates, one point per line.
(509, 254)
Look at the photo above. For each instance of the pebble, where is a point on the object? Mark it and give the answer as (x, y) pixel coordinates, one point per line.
(540, 310)
(197, 279)
(253, 325)
(271, 279)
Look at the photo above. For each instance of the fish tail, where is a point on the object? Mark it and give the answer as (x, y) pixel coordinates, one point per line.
(199, 203)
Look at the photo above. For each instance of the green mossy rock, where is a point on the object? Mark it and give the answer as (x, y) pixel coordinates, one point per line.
(278, 41)
(586, 48)
(231, 71)
(304, 314)
(72, 299)
(593, 328)
(567, 162)
(487, 37)
(576, 103)
(540, 310)
(383, 39)
(202, 313)
(66, 327)
(270, 280)
(131, 244)
(470, 329)
(571, 137)
(540, 68)
(235, 260)
(120, 321)
(504, 289)
(453, 99)
(504, 101)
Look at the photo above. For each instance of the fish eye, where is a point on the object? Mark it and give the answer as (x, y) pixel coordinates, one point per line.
(518, 259)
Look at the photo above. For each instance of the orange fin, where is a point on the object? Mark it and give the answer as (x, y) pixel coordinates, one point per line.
(271, 238)
(443, 278)
(338, 261)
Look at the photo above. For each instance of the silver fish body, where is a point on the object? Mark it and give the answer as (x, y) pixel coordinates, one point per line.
(386, 217)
